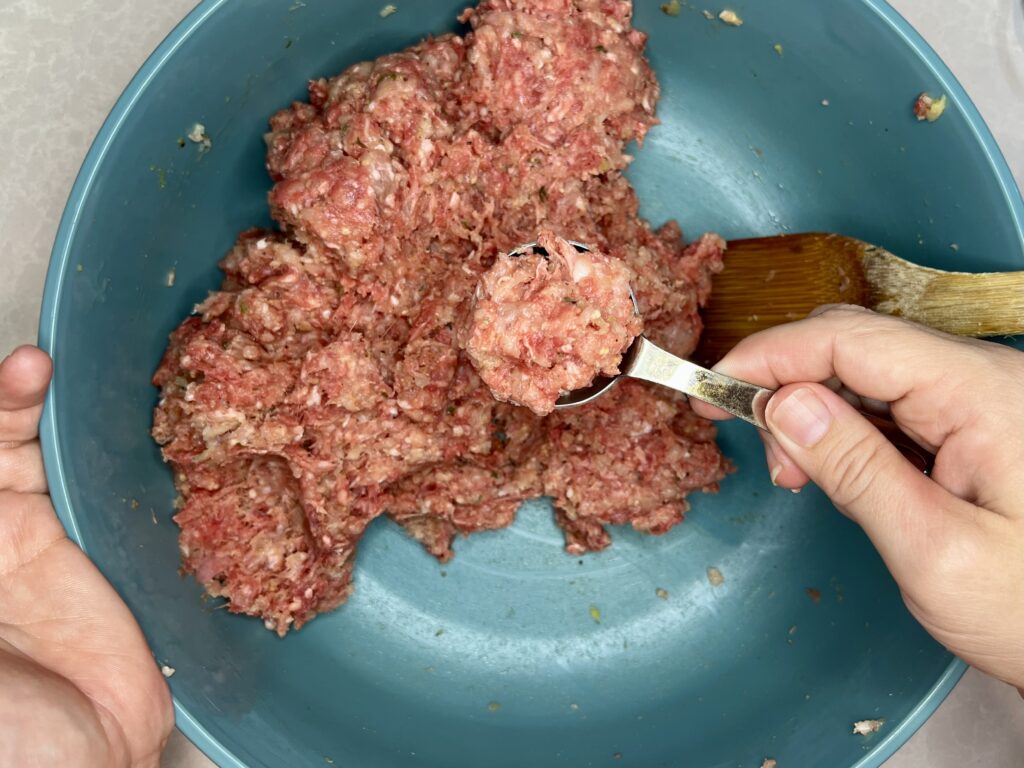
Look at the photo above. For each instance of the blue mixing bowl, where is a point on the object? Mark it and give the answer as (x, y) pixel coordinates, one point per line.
(496, 659)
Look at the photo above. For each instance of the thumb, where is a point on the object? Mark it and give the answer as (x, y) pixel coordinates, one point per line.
(863, 474)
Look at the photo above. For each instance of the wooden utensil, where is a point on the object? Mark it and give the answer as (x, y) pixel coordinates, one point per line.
(773, 280)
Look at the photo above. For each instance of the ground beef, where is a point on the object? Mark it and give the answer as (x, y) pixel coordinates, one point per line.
(544, 325)
(324, 384)
(630, 457)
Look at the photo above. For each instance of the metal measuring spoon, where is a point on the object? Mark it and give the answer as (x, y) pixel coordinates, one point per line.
(645, 360)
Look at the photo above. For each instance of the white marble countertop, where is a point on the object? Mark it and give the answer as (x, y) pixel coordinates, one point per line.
(63, 63)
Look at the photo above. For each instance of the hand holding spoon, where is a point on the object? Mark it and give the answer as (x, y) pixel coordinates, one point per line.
(645, 360)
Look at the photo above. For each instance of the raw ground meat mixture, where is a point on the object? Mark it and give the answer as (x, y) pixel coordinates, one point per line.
(323, 385)
(544, 325)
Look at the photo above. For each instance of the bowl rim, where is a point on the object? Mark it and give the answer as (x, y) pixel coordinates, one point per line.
(71, 219)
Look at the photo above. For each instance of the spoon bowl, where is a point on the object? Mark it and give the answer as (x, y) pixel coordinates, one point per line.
(645, 360)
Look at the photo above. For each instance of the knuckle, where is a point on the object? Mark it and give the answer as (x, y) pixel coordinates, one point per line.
(839, 310)
(845, 308)
(866, 326)
(852, 468)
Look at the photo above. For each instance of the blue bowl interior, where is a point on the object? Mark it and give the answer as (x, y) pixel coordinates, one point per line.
(496, 658)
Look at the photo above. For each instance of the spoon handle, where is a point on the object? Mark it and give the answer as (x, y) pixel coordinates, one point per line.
(741, 399)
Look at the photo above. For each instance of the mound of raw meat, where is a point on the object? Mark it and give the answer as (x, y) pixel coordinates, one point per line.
(325, 385)
(550, 319)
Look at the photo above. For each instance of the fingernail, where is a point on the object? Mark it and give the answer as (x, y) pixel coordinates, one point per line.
(802, 417)
(774, 465)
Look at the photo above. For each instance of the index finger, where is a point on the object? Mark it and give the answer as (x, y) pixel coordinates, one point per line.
(924, 374)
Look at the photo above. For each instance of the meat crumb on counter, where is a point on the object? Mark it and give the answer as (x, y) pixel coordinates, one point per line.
(769, 763)
(544, 325)
(324, 384)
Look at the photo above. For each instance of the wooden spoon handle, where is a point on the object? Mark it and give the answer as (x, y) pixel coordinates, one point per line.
(990, 304)
(985, 304)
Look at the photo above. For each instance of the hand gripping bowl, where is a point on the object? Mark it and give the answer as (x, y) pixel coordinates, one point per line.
(496, 659)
